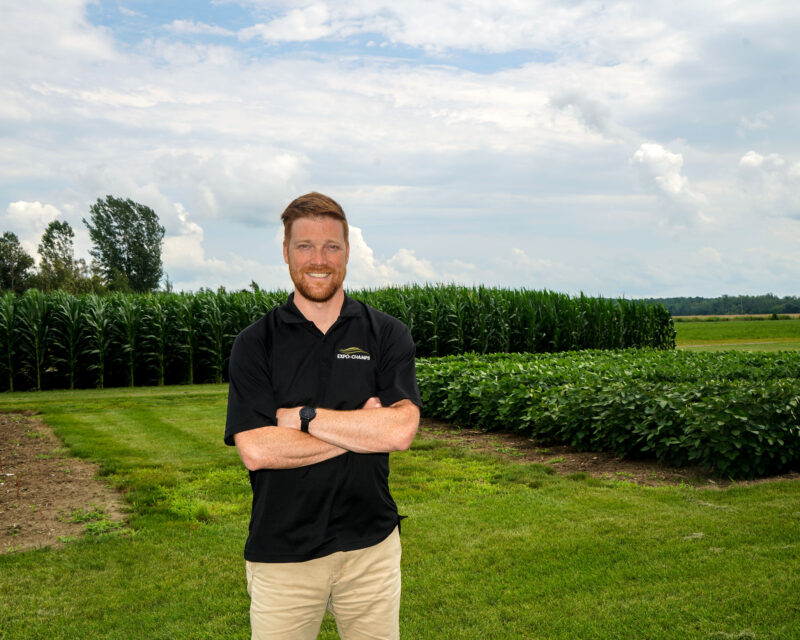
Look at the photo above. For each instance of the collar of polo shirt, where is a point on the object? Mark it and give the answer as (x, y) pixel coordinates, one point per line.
(291, 314)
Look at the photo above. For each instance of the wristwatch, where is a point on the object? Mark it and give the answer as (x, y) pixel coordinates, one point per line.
(307, 414)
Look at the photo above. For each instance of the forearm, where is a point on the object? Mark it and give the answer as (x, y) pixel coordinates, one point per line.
(367, 430)
(282, 448)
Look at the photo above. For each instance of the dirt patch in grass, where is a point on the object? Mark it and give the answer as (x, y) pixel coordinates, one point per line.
(43, 491)
(567, 460)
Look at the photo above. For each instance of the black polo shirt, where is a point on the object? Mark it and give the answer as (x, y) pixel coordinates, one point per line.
(284, 360)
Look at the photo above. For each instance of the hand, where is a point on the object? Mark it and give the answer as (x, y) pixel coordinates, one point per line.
(372, 403)
(289, 417)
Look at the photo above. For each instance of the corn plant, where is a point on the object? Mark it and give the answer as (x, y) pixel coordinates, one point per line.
(214, 333)
(67, 335)
(98, 334)
(34, 330)
(156, 330)
(187, 331)
(127, 331)
(8, 335)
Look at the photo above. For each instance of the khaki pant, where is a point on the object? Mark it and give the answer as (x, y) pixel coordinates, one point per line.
(360, 588)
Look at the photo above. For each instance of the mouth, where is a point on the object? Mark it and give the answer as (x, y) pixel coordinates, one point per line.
(318, 275)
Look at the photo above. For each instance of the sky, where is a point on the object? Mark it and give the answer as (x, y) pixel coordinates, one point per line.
(611, 148)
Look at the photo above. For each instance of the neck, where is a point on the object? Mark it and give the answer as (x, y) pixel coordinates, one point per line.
(322, 314)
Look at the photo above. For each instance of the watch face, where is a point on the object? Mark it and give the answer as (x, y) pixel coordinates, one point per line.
(308, 413)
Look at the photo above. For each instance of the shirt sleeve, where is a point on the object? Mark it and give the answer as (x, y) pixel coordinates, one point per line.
(397, 376)
(251, 401)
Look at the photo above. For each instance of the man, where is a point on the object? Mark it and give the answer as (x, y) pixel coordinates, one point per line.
(321, 390)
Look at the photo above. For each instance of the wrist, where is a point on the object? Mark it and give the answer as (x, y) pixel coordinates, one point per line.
(307, 414)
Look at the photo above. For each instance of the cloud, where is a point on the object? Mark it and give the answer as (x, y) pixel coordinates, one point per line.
(297, 25)
(130, 13)
(661, 172)
(468, 129)
(29, 220)
(47, 31)
(365, 270)
(759, 122)
(517, 268)
(590, 112)
(189, 268)
(242, 184)
(611, 33)
(709, 256)
(191, 27)
(770, 184)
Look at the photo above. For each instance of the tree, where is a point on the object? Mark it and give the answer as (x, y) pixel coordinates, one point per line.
(58, 268)
(15, 264)
(127, 241)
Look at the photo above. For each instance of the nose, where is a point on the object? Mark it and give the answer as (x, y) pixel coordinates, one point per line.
(318, 255)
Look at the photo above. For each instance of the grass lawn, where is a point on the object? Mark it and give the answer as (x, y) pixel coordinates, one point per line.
(752, 335)
(492, 548)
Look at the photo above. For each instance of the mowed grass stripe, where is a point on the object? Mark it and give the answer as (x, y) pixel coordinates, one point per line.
(129, 435)
(182, 426)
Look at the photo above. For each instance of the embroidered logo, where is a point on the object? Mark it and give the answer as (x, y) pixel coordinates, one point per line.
(353, 353)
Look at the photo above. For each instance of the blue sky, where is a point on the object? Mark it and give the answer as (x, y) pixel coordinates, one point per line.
(614, 148)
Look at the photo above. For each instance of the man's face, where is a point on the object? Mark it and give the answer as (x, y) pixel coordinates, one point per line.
(317, 255)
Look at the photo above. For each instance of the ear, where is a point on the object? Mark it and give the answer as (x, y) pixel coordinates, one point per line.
(285, 253)
(347, 252)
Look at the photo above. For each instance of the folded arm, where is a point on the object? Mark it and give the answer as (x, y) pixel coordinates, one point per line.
(371, 429)
(282, 448)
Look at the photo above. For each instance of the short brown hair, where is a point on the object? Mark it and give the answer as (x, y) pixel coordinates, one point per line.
(312, 205)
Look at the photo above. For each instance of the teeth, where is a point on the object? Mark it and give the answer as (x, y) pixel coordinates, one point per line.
(318, 275)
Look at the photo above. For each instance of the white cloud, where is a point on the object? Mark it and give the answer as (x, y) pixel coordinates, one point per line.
(192, 27)
(517, 268)
(709, 256)
(365, 270)
(188, 267)
(29, 220)
(770, 184)
(506, 123)
(620, 29)
(30, 215)
(42, 31)
(130, 13)
(591, 113)
(661, 172)
(309, 23)
(759, 122)
(241, 184)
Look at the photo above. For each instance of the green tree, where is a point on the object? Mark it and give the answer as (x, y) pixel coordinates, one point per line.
(58, 268)
(127, 241)
(15, 264)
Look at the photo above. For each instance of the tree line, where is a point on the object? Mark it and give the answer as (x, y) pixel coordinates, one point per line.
(126, 253)
(730, 305)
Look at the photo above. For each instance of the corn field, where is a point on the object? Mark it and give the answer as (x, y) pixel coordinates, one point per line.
(57, 340)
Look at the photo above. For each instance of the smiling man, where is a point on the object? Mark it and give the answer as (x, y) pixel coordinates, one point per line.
(322, 388)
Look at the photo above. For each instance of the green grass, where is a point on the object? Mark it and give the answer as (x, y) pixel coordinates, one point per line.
(766, 335)
(493, 548)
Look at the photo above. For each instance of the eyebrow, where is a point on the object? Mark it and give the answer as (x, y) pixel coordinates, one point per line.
(299, 240)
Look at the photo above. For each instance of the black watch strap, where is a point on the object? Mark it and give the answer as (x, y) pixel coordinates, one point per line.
(307, 414)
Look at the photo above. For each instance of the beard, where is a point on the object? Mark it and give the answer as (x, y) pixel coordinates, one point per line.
(313, 290)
